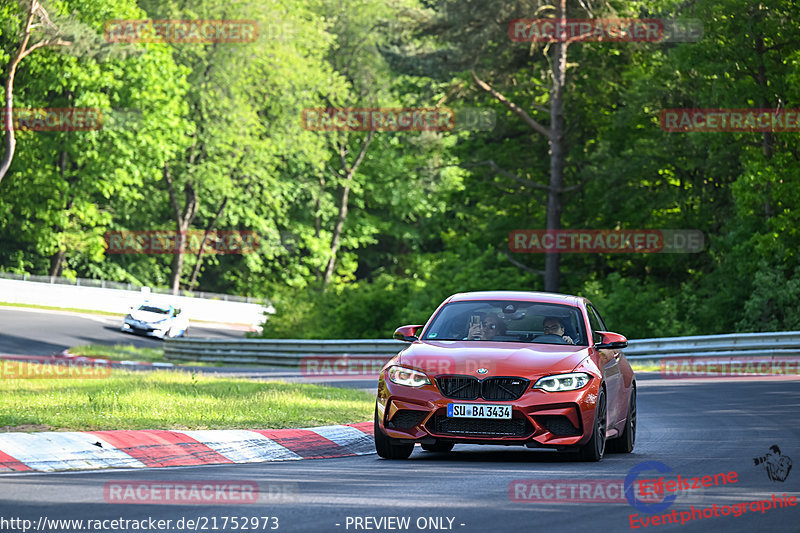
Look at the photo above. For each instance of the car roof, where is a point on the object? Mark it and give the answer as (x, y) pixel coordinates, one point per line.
(540, 297)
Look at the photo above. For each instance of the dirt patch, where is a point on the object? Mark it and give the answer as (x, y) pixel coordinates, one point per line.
(25, 428)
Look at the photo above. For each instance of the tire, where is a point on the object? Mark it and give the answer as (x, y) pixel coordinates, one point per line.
(390, 448)
(593, 450)
(625, 442)
(438, 447)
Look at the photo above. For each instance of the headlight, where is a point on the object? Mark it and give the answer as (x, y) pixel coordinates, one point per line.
(563, 382)
(407, 376)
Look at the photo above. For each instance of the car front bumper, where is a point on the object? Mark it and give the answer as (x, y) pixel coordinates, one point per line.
(539, 418)
(144, 329)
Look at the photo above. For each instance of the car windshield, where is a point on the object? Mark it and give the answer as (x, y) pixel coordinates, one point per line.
(151, 309)
(508, 321)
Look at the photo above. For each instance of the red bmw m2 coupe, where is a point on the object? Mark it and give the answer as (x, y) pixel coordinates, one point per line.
(512, 368)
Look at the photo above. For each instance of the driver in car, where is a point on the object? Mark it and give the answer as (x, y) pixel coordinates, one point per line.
(554, 326)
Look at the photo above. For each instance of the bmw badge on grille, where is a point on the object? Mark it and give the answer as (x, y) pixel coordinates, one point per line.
(482, 370)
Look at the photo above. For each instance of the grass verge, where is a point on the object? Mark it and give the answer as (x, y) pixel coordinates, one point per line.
(175, 400)
(120, 352)
(648, 366)
(129, 352)
(70, 309)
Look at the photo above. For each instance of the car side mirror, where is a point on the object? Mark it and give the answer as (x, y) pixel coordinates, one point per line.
(407, 333)
(611, 341)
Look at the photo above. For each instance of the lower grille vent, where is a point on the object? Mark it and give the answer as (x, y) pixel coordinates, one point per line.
(512, 427)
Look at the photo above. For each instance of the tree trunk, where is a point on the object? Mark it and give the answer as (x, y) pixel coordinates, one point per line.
(57, 262)
(317, 206)
(57, 259)
(555, 135)
(767, 138)
(337, 230)
(209, 229)
(183, 219)
(177, 267)
(552, 260)
(10, 142)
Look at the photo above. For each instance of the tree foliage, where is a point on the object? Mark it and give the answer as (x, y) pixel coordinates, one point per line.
(360, 232)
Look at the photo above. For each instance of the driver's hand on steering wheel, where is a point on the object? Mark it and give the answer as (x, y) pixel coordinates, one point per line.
(568, 339)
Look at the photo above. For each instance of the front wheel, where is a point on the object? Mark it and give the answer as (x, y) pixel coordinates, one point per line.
(390, 448)
(593, 450)
(624, 443)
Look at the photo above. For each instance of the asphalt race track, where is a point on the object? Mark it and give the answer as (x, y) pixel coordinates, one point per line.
(694, 427)
(42, 332)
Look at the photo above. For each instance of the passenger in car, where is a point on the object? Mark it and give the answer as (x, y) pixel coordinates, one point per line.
(554, 326)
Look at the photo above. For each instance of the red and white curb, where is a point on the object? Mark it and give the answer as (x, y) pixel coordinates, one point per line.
(54, 451)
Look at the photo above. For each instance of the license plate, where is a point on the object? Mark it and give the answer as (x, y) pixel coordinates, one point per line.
(468, 410)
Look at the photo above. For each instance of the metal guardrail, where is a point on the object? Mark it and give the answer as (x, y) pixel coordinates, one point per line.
(728, 345)
(278, 352)
(290, 352)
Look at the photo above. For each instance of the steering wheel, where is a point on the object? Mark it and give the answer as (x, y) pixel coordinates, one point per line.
(550, 339)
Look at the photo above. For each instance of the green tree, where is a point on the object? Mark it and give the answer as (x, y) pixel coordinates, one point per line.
(57, 197)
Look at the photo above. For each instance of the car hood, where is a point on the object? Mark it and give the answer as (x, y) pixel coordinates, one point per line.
(148, 316)
(497, 358)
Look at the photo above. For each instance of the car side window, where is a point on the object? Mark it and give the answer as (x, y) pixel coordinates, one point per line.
(596, 323)
(599, 318)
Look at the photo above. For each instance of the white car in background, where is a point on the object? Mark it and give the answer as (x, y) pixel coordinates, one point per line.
(156, 320)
